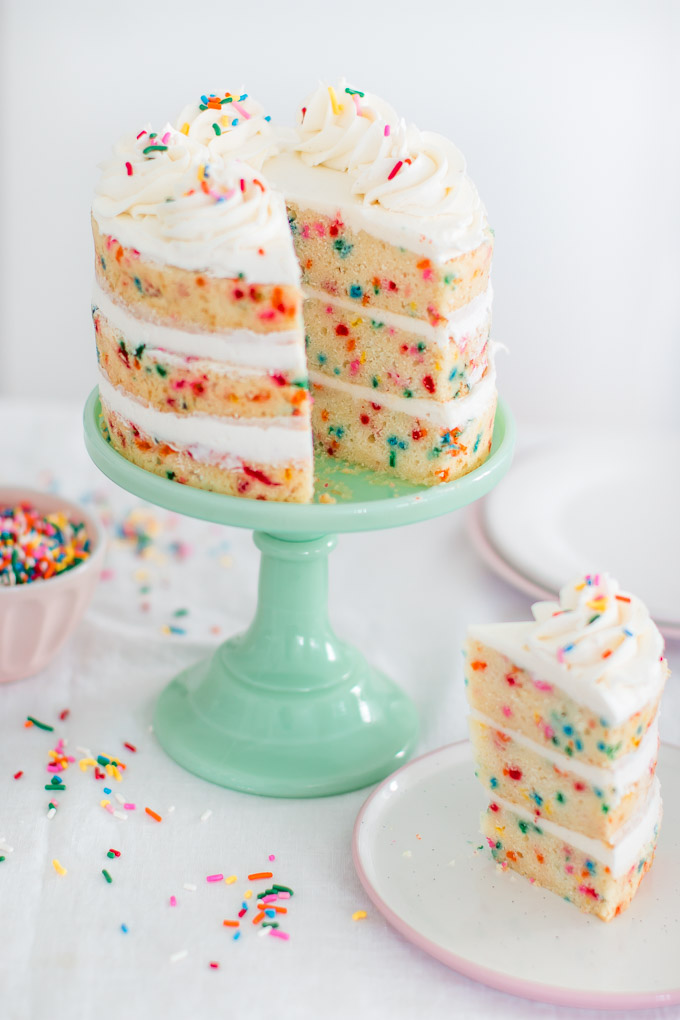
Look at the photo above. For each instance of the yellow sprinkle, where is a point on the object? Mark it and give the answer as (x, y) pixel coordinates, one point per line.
(59, 868)
(104, 803)
(598, 605)
(113, 771)
(201, 173)
(362, 357)
(165, 629)
(225, 121)
(247, 894)
(226, 561)
(85, 763)
(337, 108)
(231, 880)
(580, 587)
(141, 575)
(359, 915)
(185, 128)
(437, 366)
(356, 322)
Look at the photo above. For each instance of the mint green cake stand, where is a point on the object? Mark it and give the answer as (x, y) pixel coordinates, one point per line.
(288, 709)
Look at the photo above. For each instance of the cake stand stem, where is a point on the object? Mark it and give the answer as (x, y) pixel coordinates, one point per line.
(287, 708)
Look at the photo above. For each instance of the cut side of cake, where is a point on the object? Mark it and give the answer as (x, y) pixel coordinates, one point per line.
(563, 722)
(395, 254)
(198, 319)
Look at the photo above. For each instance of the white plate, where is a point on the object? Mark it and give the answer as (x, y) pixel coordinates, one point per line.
(592, 505)
(416, 853)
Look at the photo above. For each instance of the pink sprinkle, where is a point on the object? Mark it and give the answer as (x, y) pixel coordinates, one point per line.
(354, 366)
(272, 857)
(279, 934)
(214, 878)
(532, 880)
(387, 131)
(129, 807)
(284, 895)
(491, 842)
(128, 167)
(164, 139)
(507, 711)
(173, 901)
(109, 808)
(569, 868)
(268, 899)
(541, 685)
(560, 655)
(395, 169)
(548, 732)
(241, 110)
(54, 767)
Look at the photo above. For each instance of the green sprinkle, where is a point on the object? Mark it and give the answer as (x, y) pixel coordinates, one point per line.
(181, 612)
(523, 826)
(559, 797)
(56, 781)
(217, 129)
(593, 618)
(170, 474)
(408, 393)
(52, 805)
(161, 371)
(154, 148)
(355, 92)
(282, 888)
(102, 760)
(139, 350)
(267, 892)
(265, 924)
(393, 458)
(375, 382)
(202, 106)
(107, 876)
(109, 853)
(55, 789)
(227, 99)
(40, 725)
(3, 859)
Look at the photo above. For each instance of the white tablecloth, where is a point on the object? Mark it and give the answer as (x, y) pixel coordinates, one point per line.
(404, 597)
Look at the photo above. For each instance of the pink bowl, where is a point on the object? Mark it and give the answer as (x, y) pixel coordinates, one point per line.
(37, 618)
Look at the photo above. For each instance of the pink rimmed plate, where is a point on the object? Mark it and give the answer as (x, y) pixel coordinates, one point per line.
(416, 853)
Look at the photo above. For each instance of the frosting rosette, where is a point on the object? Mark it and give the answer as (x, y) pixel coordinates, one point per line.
(334, 121)
(142, 171)
(416, 172)
(233, 125)
(597, 631)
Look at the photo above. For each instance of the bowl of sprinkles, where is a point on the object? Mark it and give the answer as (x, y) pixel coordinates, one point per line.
(51, 553)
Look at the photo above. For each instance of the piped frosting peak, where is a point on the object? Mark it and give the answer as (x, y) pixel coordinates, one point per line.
(231, 125)
(595, 629)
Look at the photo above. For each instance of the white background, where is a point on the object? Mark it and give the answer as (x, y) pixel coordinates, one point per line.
(567, 113)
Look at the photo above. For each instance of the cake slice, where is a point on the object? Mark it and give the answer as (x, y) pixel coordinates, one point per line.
(563, 722)
(198, 317)
(395, 253)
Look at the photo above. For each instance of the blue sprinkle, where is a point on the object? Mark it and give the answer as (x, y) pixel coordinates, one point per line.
(204, 99)
(453, 375)
(493, 782)
(537, 797)
(601, 746)
(568, 648)
(321, 358)
(591, 867)
(477, 442)
(628, 632)
(237, 935)
(579, 744)
(270, 913)
(233, 124)
(267, 118)
(107, 789)
(124, 928)
(138, 284)
(243, 97)
(355, 291)
(392, 441)
(568, 730)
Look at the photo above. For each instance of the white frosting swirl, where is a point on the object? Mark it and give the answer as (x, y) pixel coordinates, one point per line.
(178, 208)
(596, 630)
(333, 122)
(416, 172)
(142, 170)
(239, 128)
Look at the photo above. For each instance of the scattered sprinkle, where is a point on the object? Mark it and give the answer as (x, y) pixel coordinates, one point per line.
(107, 876)
(59, 868)
(359, 915)
(153, 814)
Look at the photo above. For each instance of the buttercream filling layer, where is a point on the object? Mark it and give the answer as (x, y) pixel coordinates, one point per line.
(208, 438)
(460, 324)
(329, 192)
(281, 351)
(622, 775)
(615, 696)
(630, 840)
(452, 414)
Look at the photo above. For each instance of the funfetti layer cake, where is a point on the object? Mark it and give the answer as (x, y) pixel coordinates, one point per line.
(395, 253)
(564, 725)
(198, 317)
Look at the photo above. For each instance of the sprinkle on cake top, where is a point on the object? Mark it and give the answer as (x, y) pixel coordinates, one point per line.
(231, 125)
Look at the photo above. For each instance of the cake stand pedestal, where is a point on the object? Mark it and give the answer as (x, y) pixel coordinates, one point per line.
(288, 709)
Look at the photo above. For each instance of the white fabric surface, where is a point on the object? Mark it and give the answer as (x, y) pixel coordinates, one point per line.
(404, 597)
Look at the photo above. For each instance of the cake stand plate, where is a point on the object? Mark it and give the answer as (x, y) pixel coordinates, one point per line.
(417, 853)
(287, 709)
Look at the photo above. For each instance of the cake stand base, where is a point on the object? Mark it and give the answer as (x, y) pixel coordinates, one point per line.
(287, 709)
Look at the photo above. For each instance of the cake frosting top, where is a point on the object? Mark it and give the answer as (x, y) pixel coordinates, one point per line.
(598, 644)
(168, 197)
(352, 154)
(233, 125)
